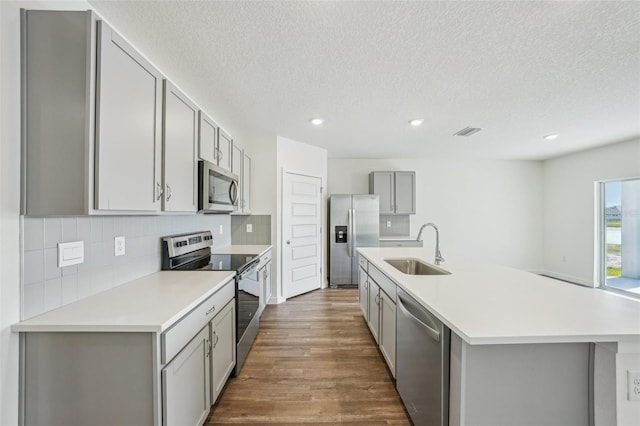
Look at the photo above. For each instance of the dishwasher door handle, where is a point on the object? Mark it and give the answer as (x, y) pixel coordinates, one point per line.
(434, 334)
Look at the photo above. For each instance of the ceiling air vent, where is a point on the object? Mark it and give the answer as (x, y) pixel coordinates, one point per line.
(467, 131)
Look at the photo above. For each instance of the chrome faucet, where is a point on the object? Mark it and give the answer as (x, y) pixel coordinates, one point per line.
(439, 257)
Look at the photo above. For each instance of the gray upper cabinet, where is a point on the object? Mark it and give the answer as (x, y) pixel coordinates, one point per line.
(224, 151)
(57, 112)
(397, 191)
(246, 183)
(208, 138)
(128, 119)
(179, 151)
(91, 113)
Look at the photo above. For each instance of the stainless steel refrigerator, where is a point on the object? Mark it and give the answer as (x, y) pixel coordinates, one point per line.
(354, 221)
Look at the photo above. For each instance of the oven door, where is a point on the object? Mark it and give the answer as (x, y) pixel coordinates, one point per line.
(217, 188)
(247, 299)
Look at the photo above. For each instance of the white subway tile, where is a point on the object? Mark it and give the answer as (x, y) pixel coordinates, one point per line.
(33, 300)
(52, 232)
(33, 233)
(51, 269)
(69, 229)
(52, 294)
(69, 289)
(33, 266)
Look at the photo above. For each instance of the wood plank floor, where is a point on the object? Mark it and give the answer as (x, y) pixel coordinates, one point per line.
(314, 361)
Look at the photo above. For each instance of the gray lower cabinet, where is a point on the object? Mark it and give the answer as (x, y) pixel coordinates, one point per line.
(186, 384)
(264, 277)
(180, 121)
(397, 191)
(131, 378)
(374, 309)
(222, 330)
(363, 293)
(379, 311)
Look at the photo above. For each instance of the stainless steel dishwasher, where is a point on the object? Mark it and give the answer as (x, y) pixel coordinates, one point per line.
(422, 363)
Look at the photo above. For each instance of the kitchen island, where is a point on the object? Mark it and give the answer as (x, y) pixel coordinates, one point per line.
(525, 349)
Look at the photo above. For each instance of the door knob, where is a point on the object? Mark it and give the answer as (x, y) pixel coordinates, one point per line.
(288, 242)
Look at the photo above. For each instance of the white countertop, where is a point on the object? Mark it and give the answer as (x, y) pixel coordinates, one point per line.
(492, 304)
(149, 304)
(258, 249)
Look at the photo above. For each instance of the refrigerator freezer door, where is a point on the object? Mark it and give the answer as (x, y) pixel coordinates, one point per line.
(339, 259)
(366, 224)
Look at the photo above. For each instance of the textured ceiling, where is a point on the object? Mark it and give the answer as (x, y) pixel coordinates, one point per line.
(518, 69)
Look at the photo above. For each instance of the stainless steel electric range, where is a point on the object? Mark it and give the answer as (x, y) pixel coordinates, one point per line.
(192, 252)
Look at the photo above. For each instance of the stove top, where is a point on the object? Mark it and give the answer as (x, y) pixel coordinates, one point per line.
(228, 262)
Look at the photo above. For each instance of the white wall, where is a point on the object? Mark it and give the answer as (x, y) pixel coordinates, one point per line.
(486, 209)
(298, 157)
(569, 206)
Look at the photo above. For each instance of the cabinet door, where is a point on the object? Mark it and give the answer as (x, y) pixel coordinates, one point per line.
(267, 283)
(223, 353)
(388, 330)
(363, 291)
(179, 153)
(186, 384)
(128, 119)
(405, 190)
(246, 183)
(207, 138)
(225, 148)
(381, 183)
(374, 309)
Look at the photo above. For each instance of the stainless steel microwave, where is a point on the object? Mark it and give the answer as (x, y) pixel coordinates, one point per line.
(217, 189)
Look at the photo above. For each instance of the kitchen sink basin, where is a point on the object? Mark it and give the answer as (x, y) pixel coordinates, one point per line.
(412, 266)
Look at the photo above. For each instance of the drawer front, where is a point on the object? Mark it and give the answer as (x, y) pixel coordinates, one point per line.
(383, 281)
(174, 339)
(265, 258)
(363, 262)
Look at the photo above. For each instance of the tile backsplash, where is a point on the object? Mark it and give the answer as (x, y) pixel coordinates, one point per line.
(260, 232)
(399, 225)
(46, 287)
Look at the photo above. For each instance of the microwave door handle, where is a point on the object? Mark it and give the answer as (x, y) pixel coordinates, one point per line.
(233, 192)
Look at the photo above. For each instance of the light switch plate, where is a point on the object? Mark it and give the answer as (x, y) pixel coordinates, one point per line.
(220, 229)
(249, 227)
(119, 246)
(70, 253)
(388, 224)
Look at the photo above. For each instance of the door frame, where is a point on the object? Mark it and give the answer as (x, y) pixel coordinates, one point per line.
(323, 257)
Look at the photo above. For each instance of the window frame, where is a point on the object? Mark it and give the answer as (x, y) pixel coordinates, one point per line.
(600, 269)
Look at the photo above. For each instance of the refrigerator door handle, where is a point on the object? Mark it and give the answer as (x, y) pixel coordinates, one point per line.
(349, 231)
(353, 233)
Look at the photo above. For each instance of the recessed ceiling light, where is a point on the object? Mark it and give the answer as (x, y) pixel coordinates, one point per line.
(416, 122)
(551, 136)
(316, 121)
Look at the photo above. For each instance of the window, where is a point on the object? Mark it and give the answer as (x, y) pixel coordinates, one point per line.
(620, 235)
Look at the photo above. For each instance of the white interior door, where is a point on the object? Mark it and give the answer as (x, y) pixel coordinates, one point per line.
(301, 236)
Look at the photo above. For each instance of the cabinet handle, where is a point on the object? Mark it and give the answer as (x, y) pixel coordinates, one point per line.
(208, 347)
(215, 339)
(377, 300)
(220, 155)
(160, 192)
(168, 192)
(211, 310)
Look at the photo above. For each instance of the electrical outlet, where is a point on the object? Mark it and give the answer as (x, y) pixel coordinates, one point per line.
(119, 246)
(220, 230)
(388, 224)
(633, 385)
(249, 227)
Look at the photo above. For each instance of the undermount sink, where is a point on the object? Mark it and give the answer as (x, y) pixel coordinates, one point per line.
(412, 266)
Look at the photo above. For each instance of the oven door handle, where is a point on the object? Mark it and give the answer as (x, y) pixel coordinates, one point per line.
(250, 268)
